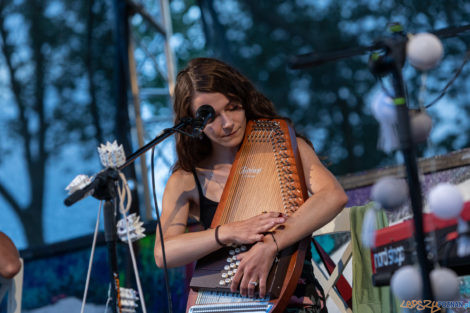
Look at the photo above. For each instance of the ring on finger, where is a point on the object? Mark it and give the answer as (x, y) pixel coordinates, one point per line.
(254, 283)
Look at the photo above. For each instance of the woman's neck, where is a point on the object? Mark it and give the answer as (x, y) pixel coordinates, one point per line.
(222, 155)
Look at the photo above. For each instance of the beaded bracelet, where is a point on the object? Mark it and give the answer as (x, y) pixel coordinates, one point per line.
(217, 236)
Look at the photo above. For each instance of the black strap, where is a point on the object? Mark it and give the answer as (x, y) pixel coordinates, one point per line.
(198, 184)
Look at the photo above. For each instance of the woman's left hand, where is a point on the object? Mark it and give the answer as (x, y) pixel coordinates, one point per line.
(255, 265)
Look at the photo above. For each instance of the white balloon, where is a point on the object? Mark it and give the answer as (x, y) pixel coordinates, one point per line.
(421, 125)
(445, 201)
(390, 192)
(406, 283)
(424, 51)
(445, 284)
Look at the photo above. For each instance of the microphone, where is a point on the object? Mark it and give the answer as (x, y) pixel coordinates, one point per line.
(204, 115)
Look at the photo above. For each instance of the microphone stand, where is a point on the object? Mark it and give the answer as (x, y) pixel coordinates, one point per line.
(391, 62)
(103, 187)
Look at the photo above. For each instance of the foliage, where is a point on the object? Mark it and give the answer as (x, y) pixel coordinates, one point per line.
(53, 92)
(329, 103)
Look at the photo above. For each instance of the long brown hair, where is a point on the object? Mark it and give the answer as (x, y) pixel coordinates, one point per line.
(212, 75)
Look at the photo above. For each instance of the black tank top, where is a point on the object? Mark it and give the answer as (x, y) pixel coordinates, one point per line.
(207, 207)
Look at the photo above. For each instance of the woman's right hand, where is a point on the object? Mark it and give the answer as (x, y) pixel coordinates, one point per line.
(250, 230)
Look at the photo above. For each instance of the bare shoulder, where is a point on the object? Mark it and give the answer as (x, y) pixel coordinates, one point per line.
(307, 153)
(181, 184)
(317, 176)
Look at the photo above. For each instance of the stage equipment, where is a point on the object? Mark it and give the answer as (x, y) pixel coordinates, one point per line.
(104, 186)
(266, 176)
(204, 114)
(395, 247)
(388, 57)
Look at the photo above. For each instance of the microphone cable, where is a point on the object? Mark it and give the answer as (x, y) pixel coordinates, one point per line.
(159, 227)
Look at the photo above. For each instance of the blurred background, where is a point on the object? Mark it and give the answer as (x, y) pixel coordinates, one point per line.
(75, 74)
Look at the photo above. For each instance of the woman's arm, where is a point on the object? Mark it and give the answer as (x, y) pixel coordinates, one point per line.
(181, 247)
(327, 200)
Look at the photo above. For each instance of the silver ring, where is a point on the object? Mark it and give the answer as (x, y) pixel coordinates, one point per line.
(254, 283)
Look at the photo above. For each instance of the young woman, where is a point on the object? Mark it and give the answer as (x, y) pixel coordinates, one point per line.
(201, 171)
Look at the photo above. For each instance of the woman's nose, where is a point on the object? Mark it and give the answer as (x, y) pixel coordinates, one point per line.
(227, 121)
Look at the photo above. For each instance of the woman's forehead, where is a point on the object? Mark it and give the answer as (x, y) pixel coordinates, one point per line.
(214, 99)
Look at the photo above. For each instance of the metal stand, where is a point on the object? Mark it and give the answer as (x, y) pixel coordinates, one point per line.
(103, 187)
(391, 62)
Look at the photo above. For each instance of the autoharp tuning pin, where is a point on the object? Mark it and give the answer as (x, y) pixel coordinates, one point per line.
(287, 170)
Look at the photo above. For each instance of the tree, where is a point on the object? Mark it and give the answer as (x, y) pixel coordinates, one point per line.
(329, 103)
(42, 50)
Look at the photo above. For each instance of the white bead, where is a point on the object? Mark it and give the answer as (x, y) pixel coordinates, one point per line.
(227, 267)
(445, 284)
(445, 201)
(390, 192)
(222, 282)
(421, 125)
(424, 51)
(406, 283)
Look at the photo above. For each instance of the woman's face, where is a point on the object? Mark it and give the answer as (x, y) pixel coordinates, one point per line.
(228, 127)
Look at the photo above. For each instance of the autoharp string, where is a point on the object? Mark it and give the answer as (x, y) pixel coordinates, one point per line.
(256, 161)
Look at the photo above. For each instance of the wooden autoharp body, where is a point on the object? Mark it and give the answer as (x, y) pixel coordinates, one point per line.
(266, 176)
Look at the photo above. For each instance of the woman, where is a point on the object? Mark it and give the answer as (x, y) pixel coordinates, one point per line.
(200, 173)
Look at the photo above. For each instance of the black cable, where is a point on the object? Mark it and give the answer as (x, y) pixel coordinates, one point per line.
(457, 73)
(159, 226)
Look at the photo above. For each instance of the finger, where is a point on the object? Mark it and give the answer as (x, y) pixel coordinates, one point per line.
(244, 285)
(236, 280)
(271, 214)
(239, 256)
(262, 286)
(271, 223)
(258, 237)
(252, 287)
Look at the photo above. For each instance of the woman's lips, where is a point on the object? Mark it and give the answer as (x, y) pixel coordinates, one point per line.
(231, 134)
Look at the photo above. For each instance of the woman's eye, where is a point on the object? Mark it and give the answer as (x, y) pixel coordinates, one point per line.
(235, 107)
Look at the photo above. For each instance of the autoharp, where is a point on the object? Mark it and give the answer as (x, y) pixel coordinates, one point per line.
(266, 176)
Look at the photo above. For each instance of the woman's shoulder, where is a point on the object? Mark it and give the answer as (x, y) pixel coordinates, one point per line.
(181, 182)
